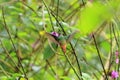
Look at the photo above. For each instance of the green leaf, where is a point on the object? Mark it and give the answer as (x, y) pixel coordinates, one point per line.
(65, 77)
(85, 76)
(105, 46)
(94, 16)
(22, 34)
(49, 51)
(3, 78)
(22, 79)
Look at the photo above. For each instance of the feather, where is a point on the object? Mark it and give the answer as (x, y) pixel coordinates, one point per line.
(71, 36)
(52, 37)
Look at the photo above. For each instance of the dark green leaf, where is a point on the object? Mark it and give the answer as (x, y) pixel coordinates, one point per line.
(49, 51)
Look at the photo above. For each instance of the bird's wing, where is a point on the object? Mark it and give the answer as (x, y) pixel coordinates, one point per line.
(52, 37)
(71, 36)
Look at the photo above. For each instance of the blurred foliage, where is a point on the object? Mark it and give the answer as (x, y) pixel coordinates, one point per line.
(37, 60)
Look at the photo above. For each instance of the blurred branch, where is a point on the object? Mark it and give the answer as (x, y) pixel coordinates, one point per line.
(71, 65)
(92, 66)
(4, 71)
(8, 3)
(51, 68)
(49, 15)
(30, 8)
(110, 55)
(7, 64)
(9, 55)
(5, 26)
(113, 28)
(69, 8)
(99, 56)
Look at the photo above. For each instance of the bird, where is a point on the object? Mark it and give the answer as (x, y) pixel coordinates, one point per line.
(60, 39)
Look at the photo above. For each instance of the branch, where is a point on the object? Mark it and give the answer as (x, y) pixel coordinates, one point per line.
(99, 56)
(5, 25)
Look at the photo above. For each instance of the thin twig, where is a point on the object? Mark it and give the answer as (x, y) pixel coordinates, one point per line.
(4, 71)
(116, 42)
(8, 3)
(71, 65)
(115, 36)
(99, 56)
(96, 76)
(70, 15)
(59, 17)
(83, 3)
(7, 64)
(49, 15)
(92, 66)
(69, 8)
(9, 55)
(57, 10)
(111, 45)
(5, 25)
(30, 8)
(79, 67)
(51, 67)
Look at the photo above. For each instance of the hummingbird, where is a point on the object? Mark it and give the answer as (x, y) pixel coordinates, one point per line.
(60, 39)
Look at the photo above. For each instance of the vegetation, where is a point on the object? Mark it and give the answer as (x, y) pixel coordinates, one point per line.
(59, 39)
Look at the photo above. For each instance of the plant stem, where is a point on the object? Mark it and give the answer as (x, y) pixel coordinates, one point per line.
(69, 8)
(30, 8)
(5, 25)
(83, 3)
(111, 45)
(99, 56)
(49, 15)
(71, 65)
(92, 66)
(116, 43)
(76, 59)
(115, 36)
(4, 71)
(9, 55)
(57, 11)
(51, 67)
